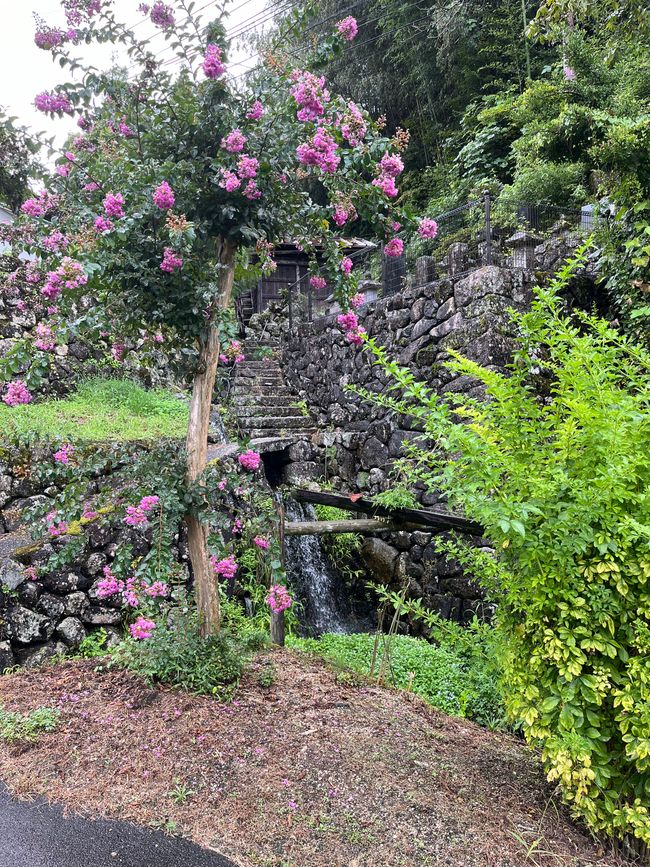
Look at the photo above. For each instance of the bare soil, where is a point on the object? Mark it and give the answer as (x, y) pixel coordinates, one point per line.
(318, 770)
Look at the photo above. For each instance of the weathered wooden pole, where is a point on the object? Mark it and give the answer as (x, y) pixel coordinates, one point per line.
(277, 628)
(319, 528)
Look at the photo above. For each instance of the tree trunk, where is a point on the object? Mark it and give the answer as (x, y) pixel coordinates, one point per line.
(205, 583)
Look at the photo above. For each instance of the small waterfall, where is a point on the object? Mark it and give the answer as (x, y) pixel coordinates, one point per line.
(320, 587)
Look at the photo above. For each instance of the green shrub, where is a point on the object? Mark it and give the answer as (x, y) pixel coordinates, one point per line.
(559, 476)
(177, 655)
(449, 676)
(27, 726)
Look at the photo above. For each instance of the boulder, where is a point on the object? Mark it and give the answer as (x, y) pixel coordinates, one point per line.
(12, 575)
(51, 606)
(76, 604)
(26, 626)
(72, 631)
(379, 558)
(97, 615)
(35, 656)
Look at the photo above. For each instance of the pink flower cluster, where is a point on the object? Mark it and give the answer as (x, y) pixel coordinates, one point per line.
(394, 247)
(250, 460)
(78, 10)
(114, 205)
(569, 73)
(358, 300)
(310, 95)
(163, 197)
(91, 187)
(346, 265)
(142, 629)
(125, 129)
(278, 599)
(39, 206)
(320, 151)
(353, 125)
(256, 111)
(171, 261)
(53, 103)
(55, 242)
(353, 331)
(213, 65)
(261, 542)
(103, 225)
(161, 15)
(344, 212)
(348, 28)
(63, 455)
(226, 568)
(157, 589)
(232, 353)
(17, 393)
(427, 228)
(137, 516)
(70, 274)
(55, 527)
(63, 170)
(390, 166)
(318, 282)
(234, 142)
(51, 37)
(44, 337)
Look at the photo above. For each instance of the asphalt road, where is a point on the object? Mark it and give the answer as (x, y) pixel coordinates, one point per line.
(37, 835)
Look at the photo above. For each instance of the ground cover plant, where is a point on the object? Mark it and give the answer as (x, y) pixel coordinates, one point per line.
(100, 409)
(555, 463)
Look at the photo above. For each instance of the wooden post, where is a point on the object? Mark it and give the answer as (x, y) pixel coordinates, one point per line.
(277, 628)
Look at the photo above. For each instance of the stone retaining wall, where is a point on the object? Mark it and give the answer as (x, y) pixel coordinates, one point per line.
(360, 441)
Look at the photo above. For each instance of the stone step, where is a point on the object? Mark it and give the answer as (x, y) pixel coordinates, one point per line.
(296, 435)
(297, 422)
(250, 372)
(252, 410)
(265, 400)
(267, 380)
(262, 391)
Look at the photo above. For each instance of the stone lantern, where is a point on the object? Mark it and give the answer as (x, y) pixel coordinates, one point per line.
(522, 244)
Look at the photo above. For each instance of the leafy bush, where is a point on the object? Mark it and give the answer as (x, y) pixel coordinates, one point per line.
(561, 484)
(100, 409)
(27, 726)
(449, 676)
(342, 549)
(177, 655)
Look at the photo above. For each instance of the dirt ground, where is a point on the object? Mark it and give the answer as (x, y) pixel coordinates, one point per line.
(317, 770)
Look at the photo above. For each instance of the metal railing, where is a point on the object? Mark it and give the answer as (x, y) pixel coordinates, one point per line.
(469, 237)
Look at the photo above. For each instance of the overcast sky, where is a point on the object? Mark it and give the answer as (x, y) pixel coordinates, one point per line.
(26, 70)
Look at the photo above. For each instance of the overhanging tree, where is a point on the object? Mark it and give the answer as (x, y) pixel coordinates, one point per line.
(172, 177)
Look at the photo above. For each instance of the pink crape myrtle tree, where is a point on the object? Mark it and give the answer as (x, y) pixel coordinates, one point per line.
(174, 178)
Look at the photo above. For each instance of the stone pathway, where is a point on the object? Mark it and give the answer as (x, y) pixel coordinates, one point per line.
(263, 404)
(35, 834)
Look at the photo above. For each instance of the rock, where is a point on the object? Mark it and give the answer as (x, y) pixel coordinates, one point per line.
(300, 471)
(35, 656)
(76, 604)
(28, 594)
(373, 454)
(63, 582)
(95, 563)
(14, 515)
(301, 451)
(380, 559)
(12, 575)
(51, 606)
(26, 626)
(71, 631)
(7, 658)
(97, 615)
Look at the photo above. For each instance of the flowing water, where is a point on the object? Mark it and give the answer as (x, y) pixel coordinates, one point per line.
(326, 602)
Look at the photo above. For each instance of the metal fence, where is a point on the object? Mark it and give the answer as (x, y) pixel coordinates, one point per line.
(476, 234)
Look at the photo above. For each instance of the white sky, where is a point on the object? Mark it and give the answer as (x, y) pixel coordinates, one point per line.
(26, 70)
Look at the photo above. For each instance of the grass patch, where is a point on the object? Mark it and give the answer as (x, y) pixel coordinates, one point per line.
(100, 409)
(27, 726)
(454, 679)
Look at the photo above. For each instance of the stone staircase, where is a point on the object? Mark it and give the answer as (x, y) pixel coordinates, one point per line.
(262, 402)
